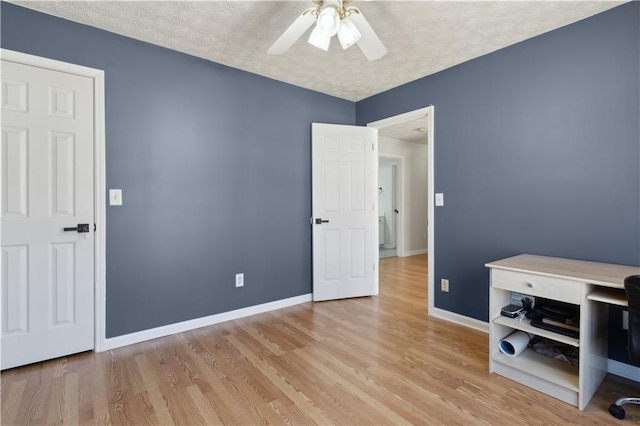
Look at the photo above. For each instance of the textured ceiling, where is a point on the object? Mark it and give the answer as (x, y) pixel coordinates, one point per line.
(407, 131)
(422, 37)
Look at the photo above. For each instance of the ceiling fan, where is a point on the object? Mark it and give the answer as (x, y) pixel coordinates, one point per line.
(332, 17)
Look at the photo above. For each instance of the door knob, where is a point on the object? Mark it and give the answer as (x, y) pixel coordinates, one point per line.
(81, 228)
(320, 221)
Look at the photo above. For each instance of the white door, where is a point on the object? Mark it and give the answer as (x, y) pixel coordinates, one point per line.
(345, 211)
(47, 185)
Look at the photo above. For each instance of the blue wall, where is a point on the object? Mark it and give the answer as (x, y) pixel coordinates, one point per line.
(214, 164)
(537, 151)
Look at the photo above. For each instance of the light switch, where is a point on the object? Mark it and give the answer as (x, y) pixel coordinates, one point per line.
(115, 197)
(439, 199)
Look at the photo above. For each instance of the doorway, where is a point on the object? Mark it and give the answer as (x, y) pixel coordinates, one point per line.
(389, 172)
(410, 136)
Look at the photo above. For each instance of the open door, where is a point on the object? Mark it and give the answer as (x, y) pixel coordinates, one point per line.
(345, 211)
(47, 188)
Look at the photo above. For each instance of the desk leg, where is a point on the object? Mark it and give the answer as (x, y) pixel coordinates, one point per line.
(593, 348)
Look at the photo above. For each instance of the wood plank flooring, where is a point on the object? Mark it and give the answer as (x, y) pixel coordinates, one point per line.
(370, 361)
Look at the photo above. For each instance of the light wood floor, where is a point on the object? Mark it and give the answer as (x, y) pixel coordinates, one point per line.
(375, 360)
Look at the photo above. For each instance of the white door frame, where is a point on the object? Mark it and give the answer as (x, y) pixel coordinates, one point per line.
(427, 113)
(399, 200)
(99, 176)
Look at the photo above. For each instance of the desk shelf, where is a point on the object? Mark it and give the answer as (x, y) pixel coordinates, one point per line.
(557, 372)
(525, 326)
(611, 296)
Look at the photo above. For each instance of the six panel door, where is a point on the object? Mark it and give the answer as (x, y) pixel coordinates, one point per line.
(47, 185)
(344, 175)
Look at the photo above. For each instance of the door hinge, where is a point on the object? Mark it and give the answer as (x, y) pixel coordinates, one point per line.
(373, 147)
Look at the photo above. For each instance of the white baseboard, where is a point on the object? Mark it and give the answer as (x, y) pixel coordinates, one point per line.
(624, 370)
(459, 319)
(154, 333)
(413, 253)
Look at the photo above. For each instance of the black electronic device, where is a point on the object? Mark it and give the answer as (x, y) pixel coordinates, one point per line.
(512, 311)
(558, 311)
(571, 332)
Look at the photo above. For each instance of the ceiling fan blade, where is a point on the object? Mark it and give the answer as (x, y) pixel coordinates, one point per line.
(293, 33)
(369, 43)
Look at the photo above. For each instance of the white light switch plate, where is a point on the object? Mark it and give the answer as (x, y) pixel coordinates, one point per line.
(439, 199)
(115, 197)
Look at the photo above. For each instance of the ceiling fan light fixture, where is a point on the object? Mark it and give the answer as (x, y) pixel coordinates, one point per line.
(348, 34)
(319, 39)
(330, 18)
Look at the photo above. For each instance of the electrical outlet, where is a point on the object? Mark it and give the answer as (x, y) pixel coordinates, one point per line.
(239, 280)
(625, 320)
(444, 285)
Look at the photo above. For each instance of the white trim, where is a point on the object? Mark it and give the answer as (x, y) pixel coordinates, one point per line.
(100, 215)
(431, 223)
(623, 370)
(50, 64)
(401, 118)
(412, 253)
(460, 319)
(429, 113)
(154, 333)
(99, 174)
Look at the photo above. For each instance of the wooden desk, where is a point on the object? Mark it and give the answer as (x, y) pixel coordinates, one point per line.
(581, 283)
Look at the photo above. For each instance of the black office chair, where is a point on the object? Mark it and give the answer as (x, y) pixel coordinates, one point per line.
(632, 287)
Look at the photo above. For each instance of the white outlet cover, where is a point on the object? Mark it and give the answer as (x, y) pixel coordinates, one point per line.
(439, 199)
(444, 285)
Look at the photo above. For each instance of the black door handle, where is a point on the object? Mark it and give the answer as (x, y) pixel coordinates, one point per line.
(320, 221)
(81, 228)
(395, 210)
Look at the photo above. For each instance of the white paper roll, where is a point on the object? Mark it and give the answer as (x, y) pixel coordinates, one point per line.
(514, 344)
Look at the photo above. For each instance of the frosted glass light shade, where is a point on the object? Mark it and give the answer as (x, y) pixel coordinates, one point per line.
(319, 39)
(348, 34)
(328, 21)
